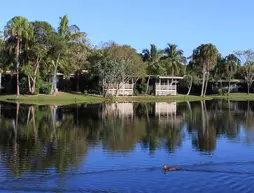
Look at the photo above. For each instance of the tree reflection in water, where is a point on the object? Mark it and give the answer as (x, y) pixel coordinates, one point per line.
(36, 138)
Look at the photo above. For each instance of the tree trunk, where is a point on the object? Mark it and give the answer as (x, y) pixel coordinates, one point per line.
(34, 125)
(16, 131)
(203, 84)
(117, 90)
(206, 84)
(248, 85)
(190, 87)
(147, 114)
(229, 81)
(17, 56)
(35, 73)
(77, 85)
(53, 87)
(33, 85)
(105, 92)
(203, 117)
(29, 84)
(147, 84)
(189, 106)
(0, 81)
(28, 116)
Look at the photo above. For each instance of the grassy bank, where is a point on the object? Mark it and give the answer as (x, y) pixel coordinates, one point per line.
(236, 96)
(177, 98)
(67, 98)
(59, 99)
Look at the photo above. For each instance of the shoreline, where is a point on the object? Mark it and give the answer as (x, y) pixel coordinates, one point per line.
(67, 98)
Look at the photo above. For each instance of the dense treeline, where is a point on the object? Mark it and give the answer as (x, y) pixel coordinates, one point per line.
(34, 52)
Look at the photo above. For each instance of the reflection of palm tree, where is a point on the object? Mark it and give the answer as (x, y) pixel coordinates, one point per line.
(206, 140)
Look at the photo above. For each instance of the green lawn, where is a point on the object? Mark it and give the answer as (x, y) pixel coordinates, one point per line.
(60, 99)
(67, 98)
(235, 96)
(161, 98)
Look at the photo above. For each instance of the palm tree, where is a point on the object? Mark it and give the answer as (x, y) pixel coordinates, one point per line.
(66, 35)
(174, 58)
(205, 57)
(63, 37)
(153, 58)
(17, 29)
(232, 64)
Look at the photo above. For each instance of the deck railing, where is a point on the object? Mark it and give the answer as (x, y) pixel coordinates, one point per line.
(122, 86)
(165, 87)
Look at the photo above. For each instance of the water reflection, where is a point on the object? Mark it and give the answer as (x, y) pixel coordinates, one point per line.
(36, 138)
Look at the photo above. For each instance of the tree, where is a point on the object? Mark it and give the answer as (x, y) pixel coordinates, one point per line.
(153, 59)
(117, 65)
(127, 58)
(18, 29)
(36, 53)
(77, 55)
(204, 57)
(110, 71)
(174, 59)
(189, 80)
(247, 57)
(2, 46)
(232, 63)
(67, 38)
(249, 74)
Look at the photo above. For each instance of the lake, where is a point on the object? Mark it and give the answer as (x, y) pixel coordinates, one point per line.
(122, 147)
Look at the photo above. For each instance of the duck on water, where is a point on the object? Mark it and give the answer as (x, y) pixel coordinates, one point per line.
(166, 168)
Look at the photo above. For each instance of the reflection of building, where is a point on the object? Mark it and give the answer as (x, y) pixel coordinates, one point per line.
(165, 108)
(166, 111)
(118, 110)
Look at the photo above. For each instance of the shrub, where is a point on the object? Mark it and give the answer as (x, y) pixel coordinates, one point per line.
(42, 86)
(219, 91)
(45, 88)
(23, 85)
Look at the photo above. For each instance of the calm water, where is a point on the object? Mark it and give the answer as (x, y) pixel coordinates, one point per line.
(122, 147)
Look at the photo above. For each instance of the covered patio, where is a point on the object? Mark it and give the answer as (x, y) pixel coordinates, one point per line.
(166, 85)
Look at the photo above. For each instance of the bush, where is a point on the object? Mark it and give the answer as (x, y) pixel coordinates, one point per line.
(42, 86)
(219, 91)
(222, 91)
(45, 88)
(23, 85)
(93, 91)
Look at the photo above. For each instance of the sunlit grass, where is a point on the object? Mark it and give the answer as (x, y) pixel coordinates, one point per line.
(60, 99)
(68, 98)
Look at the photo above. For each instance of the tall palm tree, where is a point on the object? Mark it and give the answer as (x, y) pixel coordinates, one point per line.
(66, 35)
(232, 64)
(153, 58)
(206, 56)
(17, 29)
(174, 58)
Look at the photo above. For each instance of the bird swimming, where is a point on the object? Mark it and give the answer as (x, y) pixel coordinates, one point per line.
(166, 168)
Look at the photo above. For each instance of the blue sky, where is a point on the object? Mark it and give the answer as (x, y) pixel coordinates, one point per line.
(229, 24)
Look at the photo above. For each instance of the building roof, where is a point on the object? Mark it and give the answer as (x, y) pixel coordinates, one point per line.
(165, 77)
